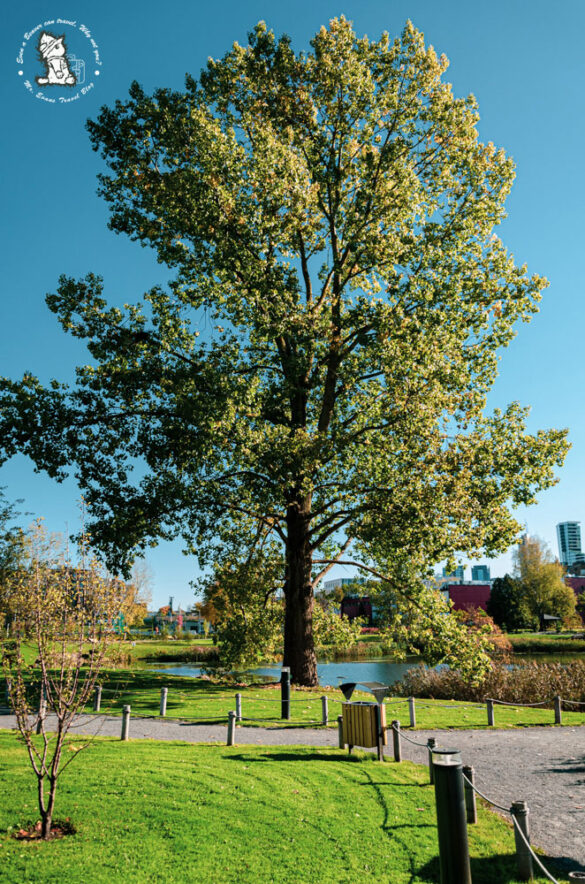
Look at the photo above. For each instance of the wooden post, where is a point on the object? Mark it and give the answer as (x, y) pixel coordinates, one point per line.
(163, 701)
(558, 710)
(238, 707)
(125, 723)
(97, 698)
(490, 712)
(325, 710)
(470, 804)
(340, 731)
(231, 728)
(380, 733)
(396, 740)
(519, 811)
(431, 743)
(412, 711)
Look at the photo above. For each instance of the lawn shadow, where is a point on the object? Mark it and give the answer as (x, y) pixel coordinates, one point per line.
(292, 756)
(484, 870)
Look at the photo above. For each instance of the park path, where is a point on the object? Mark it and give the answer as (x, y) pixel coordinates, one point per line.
(544, 766)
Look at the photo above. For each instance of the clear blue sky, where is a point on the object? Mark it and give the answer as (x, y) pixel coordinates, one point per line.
(523, 61)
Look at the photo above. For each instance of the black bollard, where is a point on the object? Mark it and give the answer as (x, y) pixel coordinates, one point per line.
(285, 693)
(451, 817)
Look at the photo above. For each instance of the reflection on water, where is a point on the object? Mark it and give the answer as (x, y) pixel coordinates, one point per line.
(385, 671)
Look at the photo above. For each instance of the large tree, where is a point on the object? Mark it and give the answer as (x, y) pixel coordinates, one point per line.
(317, 369)
(539, 578)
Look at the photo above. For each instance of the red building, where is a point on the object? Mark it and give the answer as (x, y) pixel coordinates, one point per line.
(577, 584)
(467, 595)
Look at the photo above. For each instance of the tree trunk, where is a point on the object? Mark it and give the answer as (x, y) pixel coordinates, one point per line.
(299, 647)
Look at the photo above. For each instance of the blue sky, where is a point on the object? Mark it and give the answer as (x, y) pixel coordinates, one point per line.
(525, 65)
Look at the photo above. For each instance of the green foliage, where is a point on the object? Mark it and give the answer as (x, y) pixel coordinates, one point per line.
(331, 630)
(331, 215)
(541, 584)
(507, 604)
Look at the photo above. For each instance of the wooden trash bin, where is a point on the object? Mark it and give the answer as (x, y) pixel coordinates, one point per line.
(364, 724)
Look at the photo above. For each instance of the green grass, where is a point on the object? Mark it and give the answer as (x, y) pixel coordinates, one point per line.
(175, 812)
(546, 643)
(208, 702)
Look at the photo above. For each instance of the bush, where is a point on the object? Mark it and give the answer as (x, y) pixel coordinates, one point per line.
(530, 683)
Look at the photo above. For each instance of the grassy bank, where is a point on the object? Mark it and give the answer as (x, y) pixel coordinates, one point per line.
(536, 643)
(210, 702)
(174, 812)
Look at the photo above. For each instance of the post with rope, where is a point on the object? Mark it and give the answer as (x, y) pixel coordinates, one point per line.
(412, 711)
(97, 699)
(490, 712)
(163, 701)
(470, 805)
(125, 723)
(451, 817)
(285, 693)
(558, 710)
(519, 811)
(396, 740)
(325, 710)
(231, 730)
(431, 743)
(238, 707)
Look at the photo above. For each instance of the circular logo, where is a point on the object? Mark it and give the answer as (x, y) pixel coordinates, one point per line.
(59, 61)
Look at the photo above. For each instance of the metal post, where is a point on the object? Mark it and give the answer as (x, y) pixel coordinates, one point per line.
(125, 722)
(558, 710)
(340, 731)
(379, 732)
(396, 740)
(431, 743)
(285, 693)
(325, 710)
(470, 805)
(412, 711)
(451, 817)
(238, 707)
(231, 728)
(97, 699)
(163, 701)
(519, 811)
(42, 710)
(490, 712)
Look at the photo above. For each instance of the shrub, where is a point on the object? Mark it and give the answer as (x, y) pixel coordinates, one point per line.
(530, 683)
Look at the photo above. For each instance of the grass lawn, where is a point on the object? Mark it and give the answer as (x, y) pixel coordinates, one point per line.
(546, 643)
(208, 702)
(175, 812)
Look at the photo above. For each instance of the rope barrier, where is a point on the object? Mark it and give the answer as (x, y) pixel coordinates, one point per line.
(516, 824)
(527, 705)
(403, 735)
(573, 702)
(529, 846)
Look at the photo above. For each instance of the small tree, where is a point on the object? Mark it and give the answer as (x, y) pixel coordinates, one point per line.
(541, 582)
(65, 614)
(507, 604)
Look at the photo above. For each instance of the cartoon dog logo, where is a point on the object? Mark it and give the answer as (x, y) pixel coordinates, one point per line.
(53, 54)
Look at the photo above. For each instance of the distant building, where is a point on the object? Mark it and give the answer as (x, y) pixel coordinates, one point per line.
(569, 539)
(329, 585)
(353, 606)
(480, 573)
(467, 595)
(457, 574)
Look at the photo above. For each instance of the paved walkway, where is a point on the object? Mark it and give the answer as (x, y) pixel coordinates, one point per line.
(544, 766)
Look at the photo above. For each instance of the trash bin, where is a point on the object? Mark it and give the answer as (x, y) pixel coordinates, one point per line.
(360, 724)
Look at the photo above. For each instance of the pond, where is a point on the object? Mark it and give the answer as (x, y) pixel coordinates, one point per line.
(329, 674)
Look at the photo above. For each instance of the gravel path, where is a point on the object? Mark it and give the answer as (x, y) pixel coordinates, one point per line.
(544, 766)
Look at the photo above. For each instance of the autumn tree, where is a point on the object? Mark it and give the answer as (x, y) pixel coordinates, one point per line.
(63, 615)
(539, 577)
(317, 368)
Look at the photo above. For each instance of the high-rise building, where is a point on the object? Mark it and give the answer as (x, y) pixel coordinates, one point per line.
(480, 573)
(569, 538)
(457, 574)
